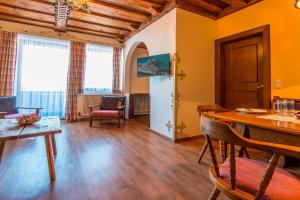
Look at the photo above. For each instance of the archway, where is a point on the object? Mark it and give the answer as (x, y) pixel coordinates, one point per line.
(138, 88)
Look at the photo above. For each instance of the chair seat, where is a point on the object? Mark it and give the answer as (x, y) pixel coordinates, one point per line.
(13, 116)
(249, 173)
(106, 113)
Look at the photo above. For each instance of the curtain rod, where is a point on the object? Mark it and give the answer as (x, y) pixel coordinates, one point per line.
(62, 36)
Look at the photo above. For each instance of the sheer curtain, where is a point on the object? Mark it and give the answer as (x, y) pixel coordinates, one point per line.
(42, 74)
(99, 69)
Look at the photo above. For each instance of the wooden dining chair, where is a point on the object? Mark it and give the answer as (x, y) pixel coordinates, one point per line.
(207, 108)
(248, 179)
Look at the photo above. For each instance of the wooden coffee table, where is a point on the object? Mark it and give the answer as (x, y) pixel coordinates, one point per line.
(47, 127)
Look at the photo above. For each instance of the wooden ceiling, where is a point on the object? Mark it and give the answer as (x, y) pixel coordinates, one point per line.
(118, 19)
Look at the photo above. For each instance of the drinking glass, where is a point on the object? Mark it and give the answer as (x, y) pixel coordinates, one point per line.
(283, 107)
(276, 107)
(291, 107)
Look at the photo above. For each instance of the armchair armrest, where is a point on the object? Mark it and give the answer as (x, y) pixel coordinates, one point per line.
(94, 106)
(121, 107)
(2, 114)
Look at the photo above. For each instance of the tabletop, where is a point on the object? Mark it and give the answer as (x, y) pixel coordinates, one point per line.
(11, 130)
(256, 121)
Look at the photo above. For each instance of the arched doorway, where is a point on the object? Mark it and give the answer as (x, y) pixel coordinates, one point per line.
(138, 87)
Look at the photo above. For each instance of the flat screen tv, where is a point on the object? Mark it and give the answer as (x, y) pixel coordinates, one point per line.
(158, 65)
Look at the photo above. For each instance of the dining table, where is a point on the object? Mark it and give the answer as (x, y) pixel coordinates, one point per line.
(47, 127)
(268, 127)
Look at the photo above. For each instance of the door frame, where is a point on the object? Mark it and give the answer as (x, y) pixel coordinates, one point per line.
(263, 31)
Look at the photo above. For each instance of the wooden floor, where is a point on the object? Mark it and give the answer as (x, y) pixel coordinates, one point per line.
(106, 163)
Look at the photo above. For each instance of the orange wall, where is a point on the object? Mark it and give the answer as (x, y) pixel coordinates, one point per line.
(138, 84)
(285, 39)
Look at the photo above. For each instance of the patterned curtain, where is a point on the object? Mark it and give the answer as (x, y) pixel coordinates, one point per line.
(75, 78)
(116, 70)
(8, 54)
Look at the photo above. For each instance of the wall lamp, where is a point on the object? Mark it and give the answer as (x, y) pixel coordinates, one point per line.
(297, 4)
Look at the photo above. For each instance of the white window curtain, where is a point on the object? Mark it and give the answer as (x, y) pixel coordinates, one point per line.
(42, 66)
(99, 69)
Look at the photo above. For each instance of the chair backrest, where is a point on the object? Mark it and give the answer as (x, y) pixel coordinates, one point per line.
(209, 107)
(8, 105)
(112, 102)
(297, 101)
(217, 130)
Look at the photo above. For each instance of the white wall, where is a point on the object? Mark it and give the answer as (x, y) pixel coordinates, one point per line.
(138, 84)
(159, 37)
(195, 41)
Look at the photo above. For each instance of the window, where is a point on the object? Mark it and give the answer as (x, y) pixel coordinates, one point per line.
(42, 74)
(98, 69)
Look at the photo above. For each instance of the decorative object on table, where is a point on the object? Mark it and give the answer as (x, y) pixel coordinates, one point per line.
(8, 105)
(110, 107)
(298, 115)
(251, 111)
(28, 119)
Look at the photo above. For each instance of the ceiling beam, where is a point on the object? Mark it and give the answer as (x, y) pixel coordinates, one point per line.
(137, 5)
(96, 18)
(96, 27)
(196, 9)
(30, 5)
(231, 9)
(235, 3)
(28, 21)
(88, 32)
(25, 13)
(168, 7)
(204, 4)
(115, 11)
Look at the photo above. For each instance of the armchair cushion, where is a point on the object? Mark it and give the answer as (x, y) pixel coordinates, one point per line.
(111, 102)
(8, 105)
(106, 113)
(249, 173)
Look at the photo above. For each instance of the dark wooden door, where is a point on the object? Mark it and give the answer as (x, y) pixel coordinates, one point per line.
(244, 73)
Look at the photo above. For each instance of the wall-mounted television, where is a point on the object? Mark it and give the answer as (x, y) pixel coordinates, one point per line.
(158, 65)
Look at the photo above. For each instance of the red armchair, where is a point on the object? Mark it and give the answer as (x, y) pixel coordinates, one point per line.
(110, 107)
(9, 109)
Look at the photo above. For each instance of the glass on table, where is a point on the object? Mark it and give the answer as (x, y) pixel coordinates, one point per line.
(291, 107)
(276, 107)
(283, 106)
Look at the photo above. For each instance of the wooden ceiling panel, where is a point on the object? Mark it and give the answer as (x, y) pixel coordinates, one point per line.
(25, 13)
(119, 19)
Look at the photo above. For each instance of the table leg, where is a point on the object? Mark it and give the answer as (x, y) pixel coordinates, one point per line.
(2, 144)
(49, 152)
(54, 145)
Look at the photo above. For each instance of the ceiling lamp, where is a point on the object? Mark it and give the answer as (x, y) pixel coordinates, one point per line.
(76, 4)
(297, 4)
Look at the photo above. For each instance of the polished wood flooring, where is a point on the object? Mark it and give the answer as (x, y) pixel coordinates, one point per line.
(106, 163)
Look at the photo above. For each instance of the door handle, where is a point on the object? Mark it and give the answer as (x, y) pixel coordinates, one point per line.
(260, 86)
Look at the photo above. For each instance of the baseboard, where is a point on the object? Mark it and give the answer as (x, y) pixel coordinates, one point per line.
(189, 138)
(161, 135)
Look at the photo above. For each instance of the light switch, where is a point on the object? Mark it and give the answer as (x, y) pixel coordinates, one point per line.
(278, 84)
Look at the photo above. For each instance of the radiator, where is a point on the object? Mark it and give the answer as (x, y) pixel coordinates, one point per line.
(83, 101)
